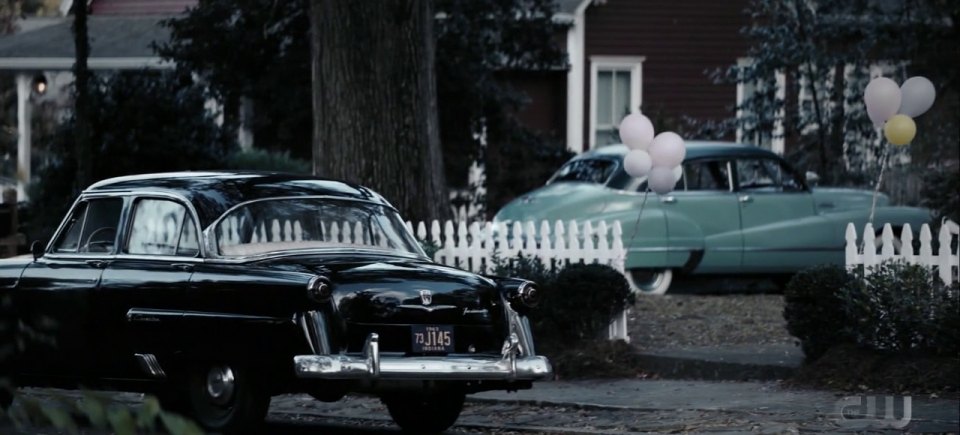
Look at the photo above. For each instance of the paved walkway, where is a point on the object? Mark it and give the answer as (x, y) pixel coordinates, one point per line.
(758, 399)
(756, 392)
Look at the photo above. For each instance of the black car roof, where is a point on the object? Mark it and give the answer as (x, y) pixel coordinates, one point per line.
(213, 193)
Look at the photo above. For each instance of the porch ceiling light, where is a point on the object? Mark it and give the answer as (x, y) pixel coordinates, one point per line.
(39, 85)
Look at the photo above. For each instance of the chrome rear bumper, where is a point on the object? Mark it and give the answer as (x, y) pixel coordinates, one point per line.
(509, 366)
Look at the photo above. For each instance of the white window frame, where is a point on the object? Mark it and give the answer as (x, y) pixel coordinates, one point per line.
(634, 64)
(778, 141)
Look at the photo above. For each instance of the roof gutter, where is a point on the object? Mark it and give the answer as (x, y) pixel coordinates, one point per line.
(66, 63)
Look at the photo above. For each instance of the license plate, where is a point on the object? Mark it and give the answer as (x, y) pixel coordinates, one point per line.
(431, 338)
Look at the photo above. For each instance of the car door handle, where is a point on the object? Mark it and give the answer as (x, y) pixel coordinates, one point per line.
(746, 198)
(669, 199)
(186, 267)
(99, 264)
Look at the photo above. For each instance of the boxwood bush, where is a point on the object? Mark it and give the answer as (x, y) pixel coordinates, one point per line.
(580, 300)
(813, 308)
(897, 307)
(904, 308)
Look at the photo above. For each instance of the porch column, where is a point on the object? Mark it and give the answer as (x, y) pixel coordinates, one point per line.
(576, 46)
(245, 131)
(24, 115)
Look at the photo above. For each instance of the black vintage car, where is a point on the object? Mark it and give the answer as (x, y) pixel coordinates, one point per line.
(218, 290)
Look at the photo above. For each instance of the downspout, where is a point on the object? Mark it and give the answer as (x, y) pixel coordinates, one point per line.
(576, 37)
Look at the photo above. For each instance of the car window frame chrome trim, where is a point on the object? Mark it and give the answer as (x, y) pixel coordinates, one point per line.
(783, 164)
(210, 238)
(128, 226)
(728, 160)
(299, 252)
(47, 252)
(128, 197)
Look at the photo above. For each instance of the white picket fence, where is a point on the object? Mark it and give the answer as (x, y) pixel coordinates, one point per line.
(946, 262)
(472, 247)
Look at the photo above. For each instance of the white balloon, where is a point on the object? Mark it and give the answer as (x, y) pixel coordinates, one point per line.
(637, 163)
(667, 150)
(882, 97)
(917, 95)
(636, 131)
(677, 173)
(661, 180)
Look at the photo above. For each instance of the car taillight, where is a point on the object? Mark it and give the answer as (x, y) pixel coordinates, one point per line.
(319, 289)
(528, 294)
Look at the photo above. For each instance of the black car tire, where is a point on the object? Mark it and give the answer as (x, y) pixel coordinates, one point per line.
(241, 410)
(425, 413)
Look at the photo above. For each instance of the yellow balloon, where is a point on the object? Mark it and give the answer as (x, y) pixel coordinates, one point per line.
(900, 129)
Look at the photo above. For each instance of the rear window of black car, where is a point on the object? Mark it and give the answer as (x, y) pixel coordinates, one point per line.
(586, 171)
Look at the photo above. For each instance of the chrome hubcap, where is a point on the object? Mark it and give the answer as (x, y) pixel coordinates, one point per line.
(220, 384)
(648, 279)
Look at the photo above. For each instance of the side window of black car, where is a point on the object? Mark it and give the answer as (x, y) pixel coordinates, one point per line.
(92, 227)
(162, 227)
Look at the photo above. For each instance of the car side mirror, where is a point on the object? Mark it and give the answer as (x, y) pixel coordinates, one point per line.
(36, 248)
(812, 178)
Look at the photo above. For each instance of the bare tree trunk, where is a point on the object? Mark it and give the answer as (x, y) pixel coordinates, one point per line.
(375, 101)
(82, 96)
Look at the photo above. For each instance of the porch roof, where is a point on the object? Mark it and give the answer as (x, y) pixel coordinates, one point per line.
(116, 42)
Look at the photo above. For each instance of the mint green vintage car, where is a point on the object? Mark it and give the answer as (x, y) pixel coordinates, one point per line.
(736, 209)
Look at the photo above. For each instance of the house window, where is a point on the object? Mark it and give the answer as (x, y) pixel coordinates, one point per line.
(748, 121)
(615, 84)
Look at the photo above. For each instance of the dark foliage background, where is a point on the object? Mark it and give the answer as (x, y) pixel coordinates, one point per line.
(939, 193)
(480, 44)
(825, 50)
(259, 49)
(141, 122)
(896, 308)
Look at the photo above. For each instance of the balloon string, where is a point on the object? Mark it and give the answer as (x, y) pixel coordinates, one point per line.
(876, 189)
(876, 192)
(636, 225)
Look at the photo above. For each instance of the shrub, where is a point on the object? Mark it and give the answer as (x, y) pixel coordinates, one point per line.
(527, 267)
(580, 300)
(902, 307)
(813, 308)
(570, 324)
(896, 308)
(429, 247)
(580, 303)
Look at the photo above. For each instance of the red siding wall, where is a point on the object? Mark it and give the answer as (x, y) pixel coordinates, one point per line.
(140, 7)
(680, 39)
(546, 110)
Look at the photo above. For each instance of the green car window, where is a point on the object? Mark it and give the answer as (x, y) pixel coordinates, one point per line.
(585, 170)
(766, 174)
(706, 175)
